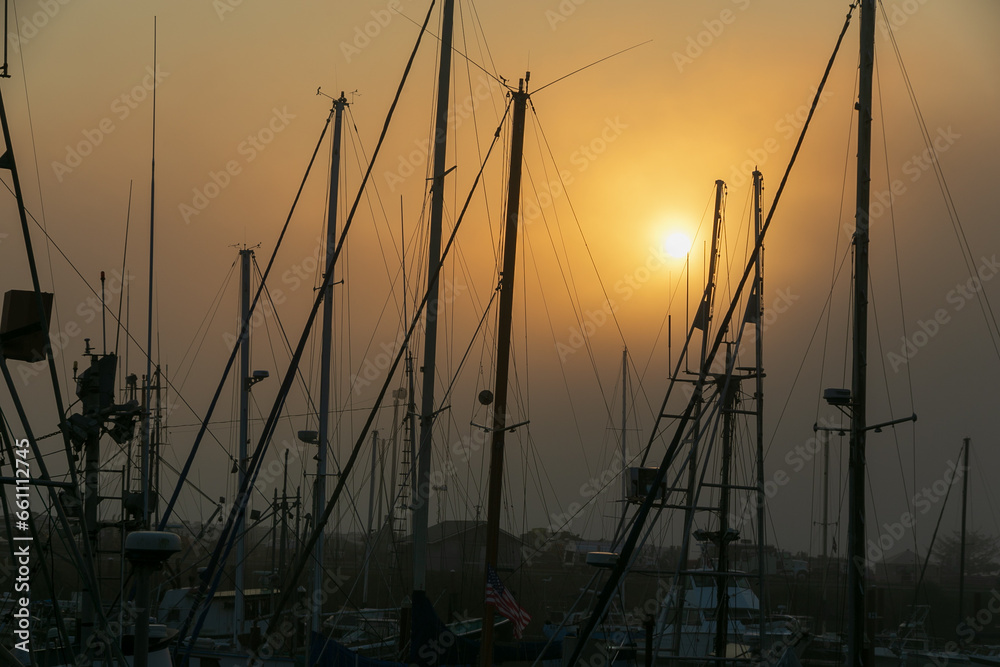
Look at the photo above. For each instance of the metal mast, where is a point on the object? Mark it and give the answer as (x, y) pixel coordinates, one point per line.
(701, 321)
(239, 613)
(624, 450)
(319, 495)
(857, 572)
(758, 186)
(422, 490)
(503, 359)
(729, 385)
(149, 313)
(961, 557)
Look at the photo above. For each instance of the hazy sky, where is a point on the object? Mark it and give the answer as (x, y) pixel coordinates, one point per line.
(639, 140)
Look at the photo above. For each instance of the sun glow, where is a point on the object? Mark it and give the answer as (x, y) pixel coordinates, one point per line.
(677, 245)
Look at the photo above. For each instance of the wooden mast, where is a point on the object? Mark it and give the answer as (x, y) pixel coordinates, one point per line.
(503, 360)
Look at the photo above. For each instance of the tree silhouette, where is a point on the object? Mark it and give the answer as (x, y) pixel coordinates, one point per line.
(982, 553)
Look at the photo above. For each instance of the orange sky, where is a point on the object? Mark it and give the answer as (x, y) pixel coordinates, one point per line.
(640, 140)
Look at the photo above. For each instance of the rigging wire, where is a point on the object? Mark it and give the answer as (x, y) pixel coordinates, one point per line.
(363, 435)
(576, 219)
(566, 76)
(34, 153)
(963, 243)
(472, 339)
(495, 77)
(244, 326)
(206, 322)
(121, 293)
(643, 511)
(562, 367)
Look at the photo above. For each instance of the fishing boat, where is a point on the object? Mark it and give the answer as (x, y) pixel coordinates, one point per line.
(910, 645)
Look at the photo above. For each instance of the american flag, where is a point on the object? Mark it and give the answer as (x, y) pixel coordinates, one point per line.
(501, 598)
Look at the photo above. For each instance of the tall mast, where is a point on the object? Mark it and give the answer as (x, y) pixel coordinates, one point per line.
(729, 384)
(625, 472)
(961, 556)
(149, 314)
(390, 518)
(503, 359)
(408, 495)
(826, 502)
(758, 186)
(370, 536)
(857, 572)
(701, 321)
(423, 481)
(323, 439)
(239, 613)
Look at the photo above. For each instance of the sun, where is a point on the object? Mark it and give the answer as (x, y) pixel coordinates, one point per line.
(677, 245)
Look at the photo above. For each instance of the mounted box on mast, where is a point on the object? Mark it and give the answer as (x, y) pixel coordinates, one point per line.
(641, 485)
(21, 331)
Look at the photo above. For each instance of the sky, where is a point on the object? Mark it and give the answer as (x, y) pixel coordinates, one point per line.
(618, 157)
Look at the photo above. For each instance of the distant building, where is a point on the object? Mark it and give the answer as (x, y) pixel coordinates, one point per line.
(458, 546)
(904, 568)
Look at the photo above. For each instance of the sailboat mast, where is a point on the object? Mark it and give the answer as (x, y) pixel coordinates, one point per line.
(370, 536)
(499, 429)
(624, 450)
(701, 321)
(244, 435)
(730, 386)
(423, 486)
(319, 496)
(857, 573)
(393, 475)
(758, 186)
(149, 313)
(961, 555)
